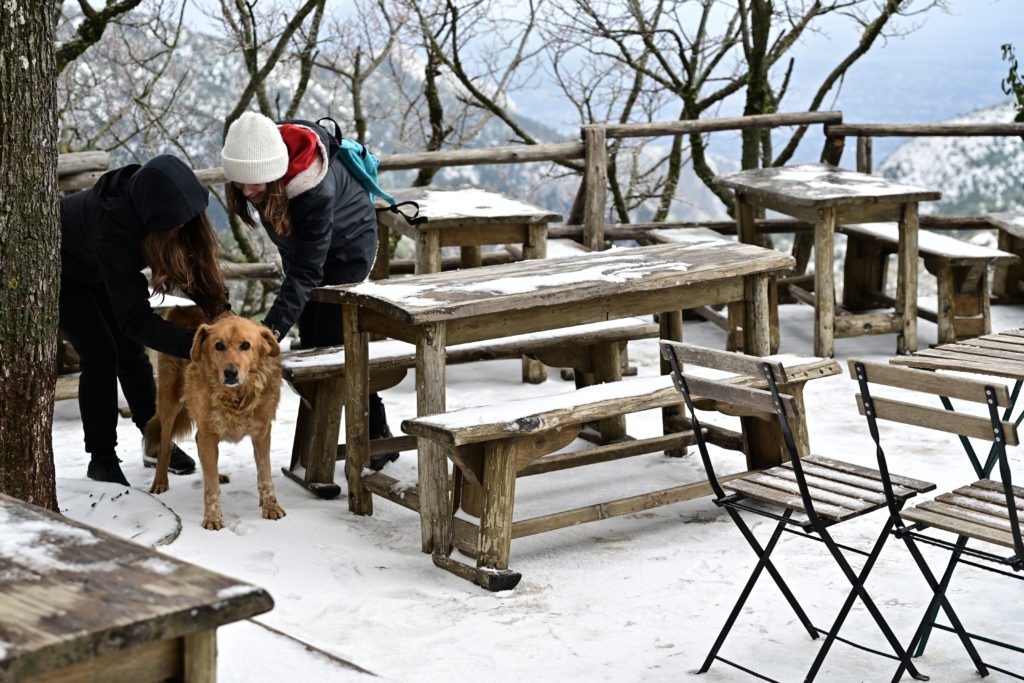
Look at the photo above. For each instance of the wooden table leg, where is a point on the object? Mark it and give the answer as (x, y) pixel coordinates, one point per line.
(824, 283)
(428, 252)
(357, 410)
(499, 498)
(671, 323)
(200, 654)
(535, 247)
(433, 464)
(906, 284)
(324, 426)
(607, 366)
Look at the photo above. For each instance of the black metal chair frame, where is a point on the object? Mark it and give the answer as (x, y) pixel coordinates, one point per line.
(911, 534)
(733, 504)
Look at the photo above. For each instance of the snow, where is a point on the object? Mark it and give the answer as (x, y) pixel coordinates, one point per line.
(633, 598)
(819, 182)
(466, 202)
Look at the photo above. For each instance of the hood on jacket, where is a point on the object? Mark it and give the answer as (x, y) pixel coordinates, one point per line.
(308, 159)
(165, 193)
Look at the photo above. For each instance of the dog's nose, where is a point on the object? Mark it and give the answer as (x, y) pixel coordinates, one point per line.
(230, 375)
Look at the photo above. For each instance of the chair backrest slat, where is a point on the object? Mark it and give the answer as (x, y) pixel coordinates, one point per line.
(727, 361)
(936, 418)
(738, 395)
(944, 384)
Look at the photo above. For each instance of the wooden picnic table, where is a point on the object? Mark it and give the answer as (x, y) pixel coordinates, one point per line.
(467, 217)
(828, 196)
(78, 604)
(1008, 279)
(439, 309)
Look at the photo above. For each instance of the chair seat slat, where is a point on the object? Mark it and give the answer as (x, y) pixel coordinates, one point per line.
(916, 484)
(817, 483)
(1001, 522)
(861, 482)
(766, 494)
(979, 506)
(958, 526)
(992, 494)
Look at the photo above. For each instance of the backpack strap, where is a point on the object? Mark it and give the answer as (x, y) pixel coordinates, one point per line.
(337, 128)
(414, 219)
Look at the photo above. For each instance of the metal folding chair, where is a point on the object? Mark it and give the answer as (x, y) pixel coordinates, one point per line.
(814, 494)
(983, 511)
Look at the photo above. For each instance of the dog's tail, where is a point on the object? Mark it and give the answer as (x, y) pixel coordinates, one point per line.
(151, 435)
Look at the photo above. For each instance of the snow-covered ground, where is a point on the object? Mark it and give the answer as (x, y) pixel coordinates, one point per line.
(634, 598)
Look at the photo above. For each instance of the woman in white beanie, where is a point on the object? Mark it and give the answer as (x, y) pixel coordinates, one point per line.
(318, 215)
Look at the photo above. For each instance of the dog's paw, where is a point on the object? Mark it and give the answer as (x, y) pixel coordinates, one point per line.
(159, 487)
(224, 479)
(213, 523)
(272, 511)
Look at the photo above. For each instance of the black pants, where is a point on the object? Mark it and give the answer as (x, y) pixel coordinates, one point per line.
(320, 325)
(107, 356)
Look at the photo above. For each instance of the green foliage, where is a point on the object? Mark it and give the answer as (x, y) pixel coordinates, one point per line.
(1013, 84)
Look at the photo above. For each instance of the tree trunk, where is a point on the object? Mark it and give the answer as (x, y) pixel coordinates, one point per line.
(29, 251)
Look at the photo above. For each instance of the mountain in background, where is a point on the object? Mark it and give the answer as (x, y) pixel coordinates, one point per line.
(976, 175)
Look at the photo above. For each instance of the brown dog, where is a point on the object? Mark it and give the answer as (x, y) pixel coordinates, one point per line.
(229, 390)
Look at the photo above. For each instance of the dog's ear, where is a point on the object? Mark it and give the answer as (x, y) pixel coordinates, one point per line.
(273, 348)
(197, 343)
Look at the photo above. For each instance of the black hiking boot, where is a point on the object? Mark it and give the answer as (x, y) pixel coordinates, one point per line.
(181, 463)
(379, 430)
(106, 467)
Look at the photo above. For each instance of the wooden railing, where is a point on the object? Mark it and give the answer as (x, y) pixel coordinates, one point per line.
(864, 132)
(81, 170)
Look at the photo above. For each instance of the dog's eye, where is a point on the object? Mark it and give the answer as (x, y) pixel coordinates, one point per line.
(245, 346)
(220, 346)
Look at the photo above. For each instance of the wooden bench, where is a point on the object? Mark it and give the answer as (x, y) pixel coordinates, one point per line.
(732, 322)
(961, 269)
(493, 445)
(318, 376)
(79, 605)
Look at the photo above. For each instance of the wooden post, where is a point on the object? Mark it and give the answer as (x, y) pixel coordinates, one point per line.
(433, 464)
(757, 320)
(947, 302)
(832, 153)
(499, 499)
(535, 247)
(382, 264)
(746, 226)
(906, 288)
(596, 180)
(200, 653)
(864, 161)
(357, 409)
(671, 324)
(824, 282)
(470, 257)
(428, 252)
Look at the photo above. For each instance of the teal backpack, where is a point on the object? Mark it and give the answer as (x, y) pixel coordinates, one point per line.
(362, 164)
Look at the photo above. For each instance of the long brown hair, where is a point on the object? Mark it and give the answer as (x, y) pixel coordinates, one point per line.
(274, 207)
(187, 258)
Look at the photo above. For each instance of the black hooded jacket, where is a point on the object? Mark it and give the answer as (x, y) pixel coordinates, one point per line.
(334, 236)
(102, 230)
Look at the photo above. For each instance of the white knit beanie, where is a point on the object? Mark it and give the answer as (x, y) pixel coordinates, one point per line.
(254, 151)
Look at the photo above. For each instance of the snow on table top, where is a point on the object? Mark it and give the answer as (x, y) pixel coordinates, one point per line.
(820, 183)
(584, 275)
(392, 348)
(929, 241)
(439, 204)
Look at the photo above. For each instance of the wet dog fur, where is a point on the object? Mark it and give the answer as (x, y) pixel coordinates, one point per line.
(227, 390)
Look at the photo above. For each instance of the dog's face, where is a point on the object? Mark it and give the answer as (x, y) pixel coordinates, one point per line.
(232, 346)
